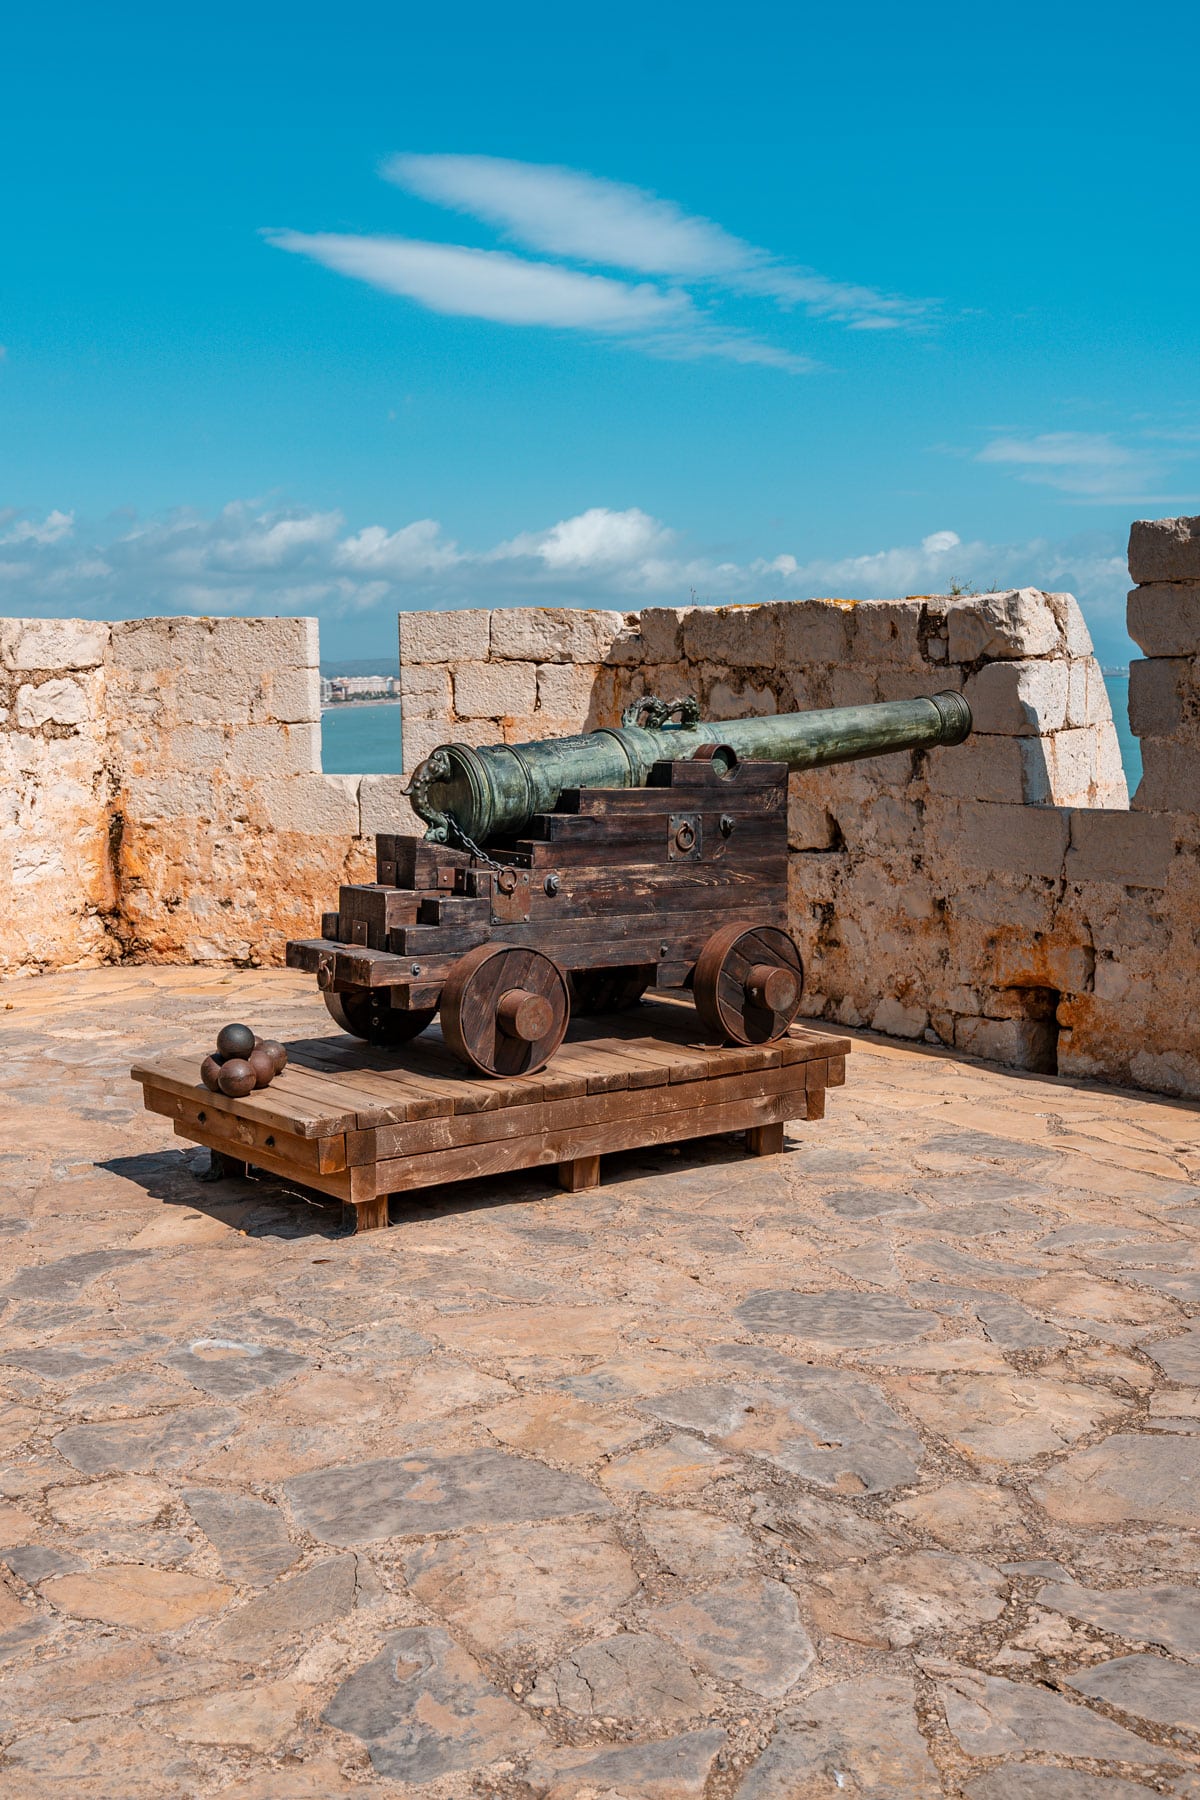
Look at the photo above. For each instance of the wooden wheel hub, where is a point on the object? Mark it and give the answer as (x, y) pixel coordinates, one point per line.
(505, 1009)
(747, 983)
(523, 1015)
(774, 988)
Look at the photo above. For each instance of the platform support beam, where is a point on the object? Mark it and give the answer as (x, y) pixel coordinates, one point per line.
(366, 1215)
(579, 1173)
(765, 1140)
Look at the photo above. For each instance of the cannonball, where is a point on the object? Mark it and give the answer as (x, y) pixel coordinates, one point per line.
(276, 1052)
(263, 1064)
(210, 1068)
(236, 1078)
(235, 1040)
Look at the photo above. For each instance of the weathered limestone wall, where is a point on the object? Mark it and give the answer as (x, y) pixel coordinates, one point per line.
(1000, 896)
(163, 800)
(163, 796)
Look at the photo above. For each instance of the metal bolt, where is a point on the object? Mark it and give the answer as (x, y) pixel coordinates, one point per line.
(663, 948)
(414, 968)
(551, 884)
(727, 824)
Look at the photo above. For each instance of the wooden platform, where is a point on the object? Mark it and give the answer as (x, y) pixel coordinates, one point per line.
(361, 1124)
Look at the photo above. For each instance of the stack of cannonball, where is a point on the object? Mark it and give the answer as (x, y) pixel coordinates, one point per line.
(242, 1063)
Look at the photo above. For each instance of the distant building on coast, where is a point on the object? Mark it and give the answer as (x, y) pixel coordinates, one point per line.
(339, 688)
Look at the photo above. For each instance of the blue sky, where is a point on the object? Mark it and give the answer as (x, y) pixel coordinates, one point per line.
(340, 312)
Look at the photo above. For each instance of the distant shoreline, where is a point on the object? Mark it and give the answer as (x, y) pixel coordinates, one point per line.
(342, 705)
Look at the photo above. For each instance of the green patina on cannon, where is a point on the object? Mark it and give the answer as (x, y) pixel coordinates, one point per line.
(583, 870)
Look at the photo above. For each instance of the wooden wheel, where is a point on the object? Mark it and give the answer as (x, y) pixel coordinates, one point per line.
(504, 1009)
(606, 990)
(748, 982)
(367, 1013)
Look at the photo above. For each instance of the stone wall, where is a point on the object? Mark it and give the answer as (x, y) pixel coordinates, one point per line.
(163, 798)
(1000, 897)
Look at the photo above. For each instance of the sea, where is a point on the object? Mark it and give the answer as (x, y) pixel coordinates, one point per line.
(364, 739)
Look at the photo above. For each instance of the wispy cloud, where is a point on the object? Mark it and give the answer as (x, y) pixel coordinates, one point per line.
(567, 212)
(255, 558)
(657, 277)
(509, 290)
(1093, 466)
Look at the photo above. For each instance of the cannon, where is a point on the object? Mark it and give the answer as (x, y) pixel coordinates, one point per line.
(578, 872)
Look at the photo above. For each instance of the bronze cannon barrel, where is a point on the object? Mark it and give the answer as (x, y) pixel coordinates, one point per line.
(493, 792)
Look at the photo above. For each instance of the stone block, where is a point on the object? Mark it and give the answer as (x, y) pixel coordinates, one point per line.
(384, 806)
(814, 632)
(1072, 765)
(1133, 848)
(317, 805)
(1156, 690)
(662, 633)
(1164, 549)
(420, 736)
(1018, 699)
(996, 769)
(1007, 840)
(59, 701)
(887, 631)
(894, 1019)
(157, 798)
(736, 637)
(1077, 639)
(1170, 777)
(564, 690)
(293, 696)
(1164, 620)
(426, 693)
(494, 690)
(1020, 1043)
(1087, 696)
(811, 826)
(1020, 623)
(553, 633)
(53, 643)
(627, 649)
(264, 751)
(722, 700)
(444, 637)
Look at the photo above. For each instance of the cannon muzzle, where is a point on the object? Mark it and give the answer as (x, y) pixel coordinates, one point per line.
(471, 794)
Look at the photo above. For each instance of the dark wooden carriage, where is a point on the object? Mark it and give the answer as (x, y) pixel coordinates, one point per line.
(681, 883)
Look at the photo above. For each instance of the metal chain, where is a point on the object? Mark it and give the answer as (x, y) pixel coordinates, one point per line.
(474, 850)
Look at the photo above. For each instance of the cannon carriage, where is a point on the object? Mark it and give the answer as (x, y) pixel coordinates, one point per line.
(577, 873)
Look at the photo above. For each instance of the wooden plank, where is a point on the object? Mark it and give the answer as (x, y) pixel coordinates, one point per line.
(765, 1140)
(317, 1156)
(270, 1106)
(610, 802)
(337, 1186)
(430, 1135)
(493, 1158)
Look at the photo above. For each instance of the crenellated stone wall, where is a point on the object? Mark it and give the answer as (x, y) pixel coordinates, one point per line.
(163, 794)
(1001, 896)
(163, 798)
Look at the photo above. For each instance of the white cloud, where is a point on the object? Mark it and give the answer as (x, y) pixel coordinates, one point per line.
(415, 549)
(567, 212)
(508, 290)
(252, 558)
(1090, 465)
(591, 542)
(50, 530)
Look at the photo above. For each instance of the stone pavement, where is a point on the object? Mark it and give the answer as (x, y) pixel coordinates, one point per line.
(870, 1469)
